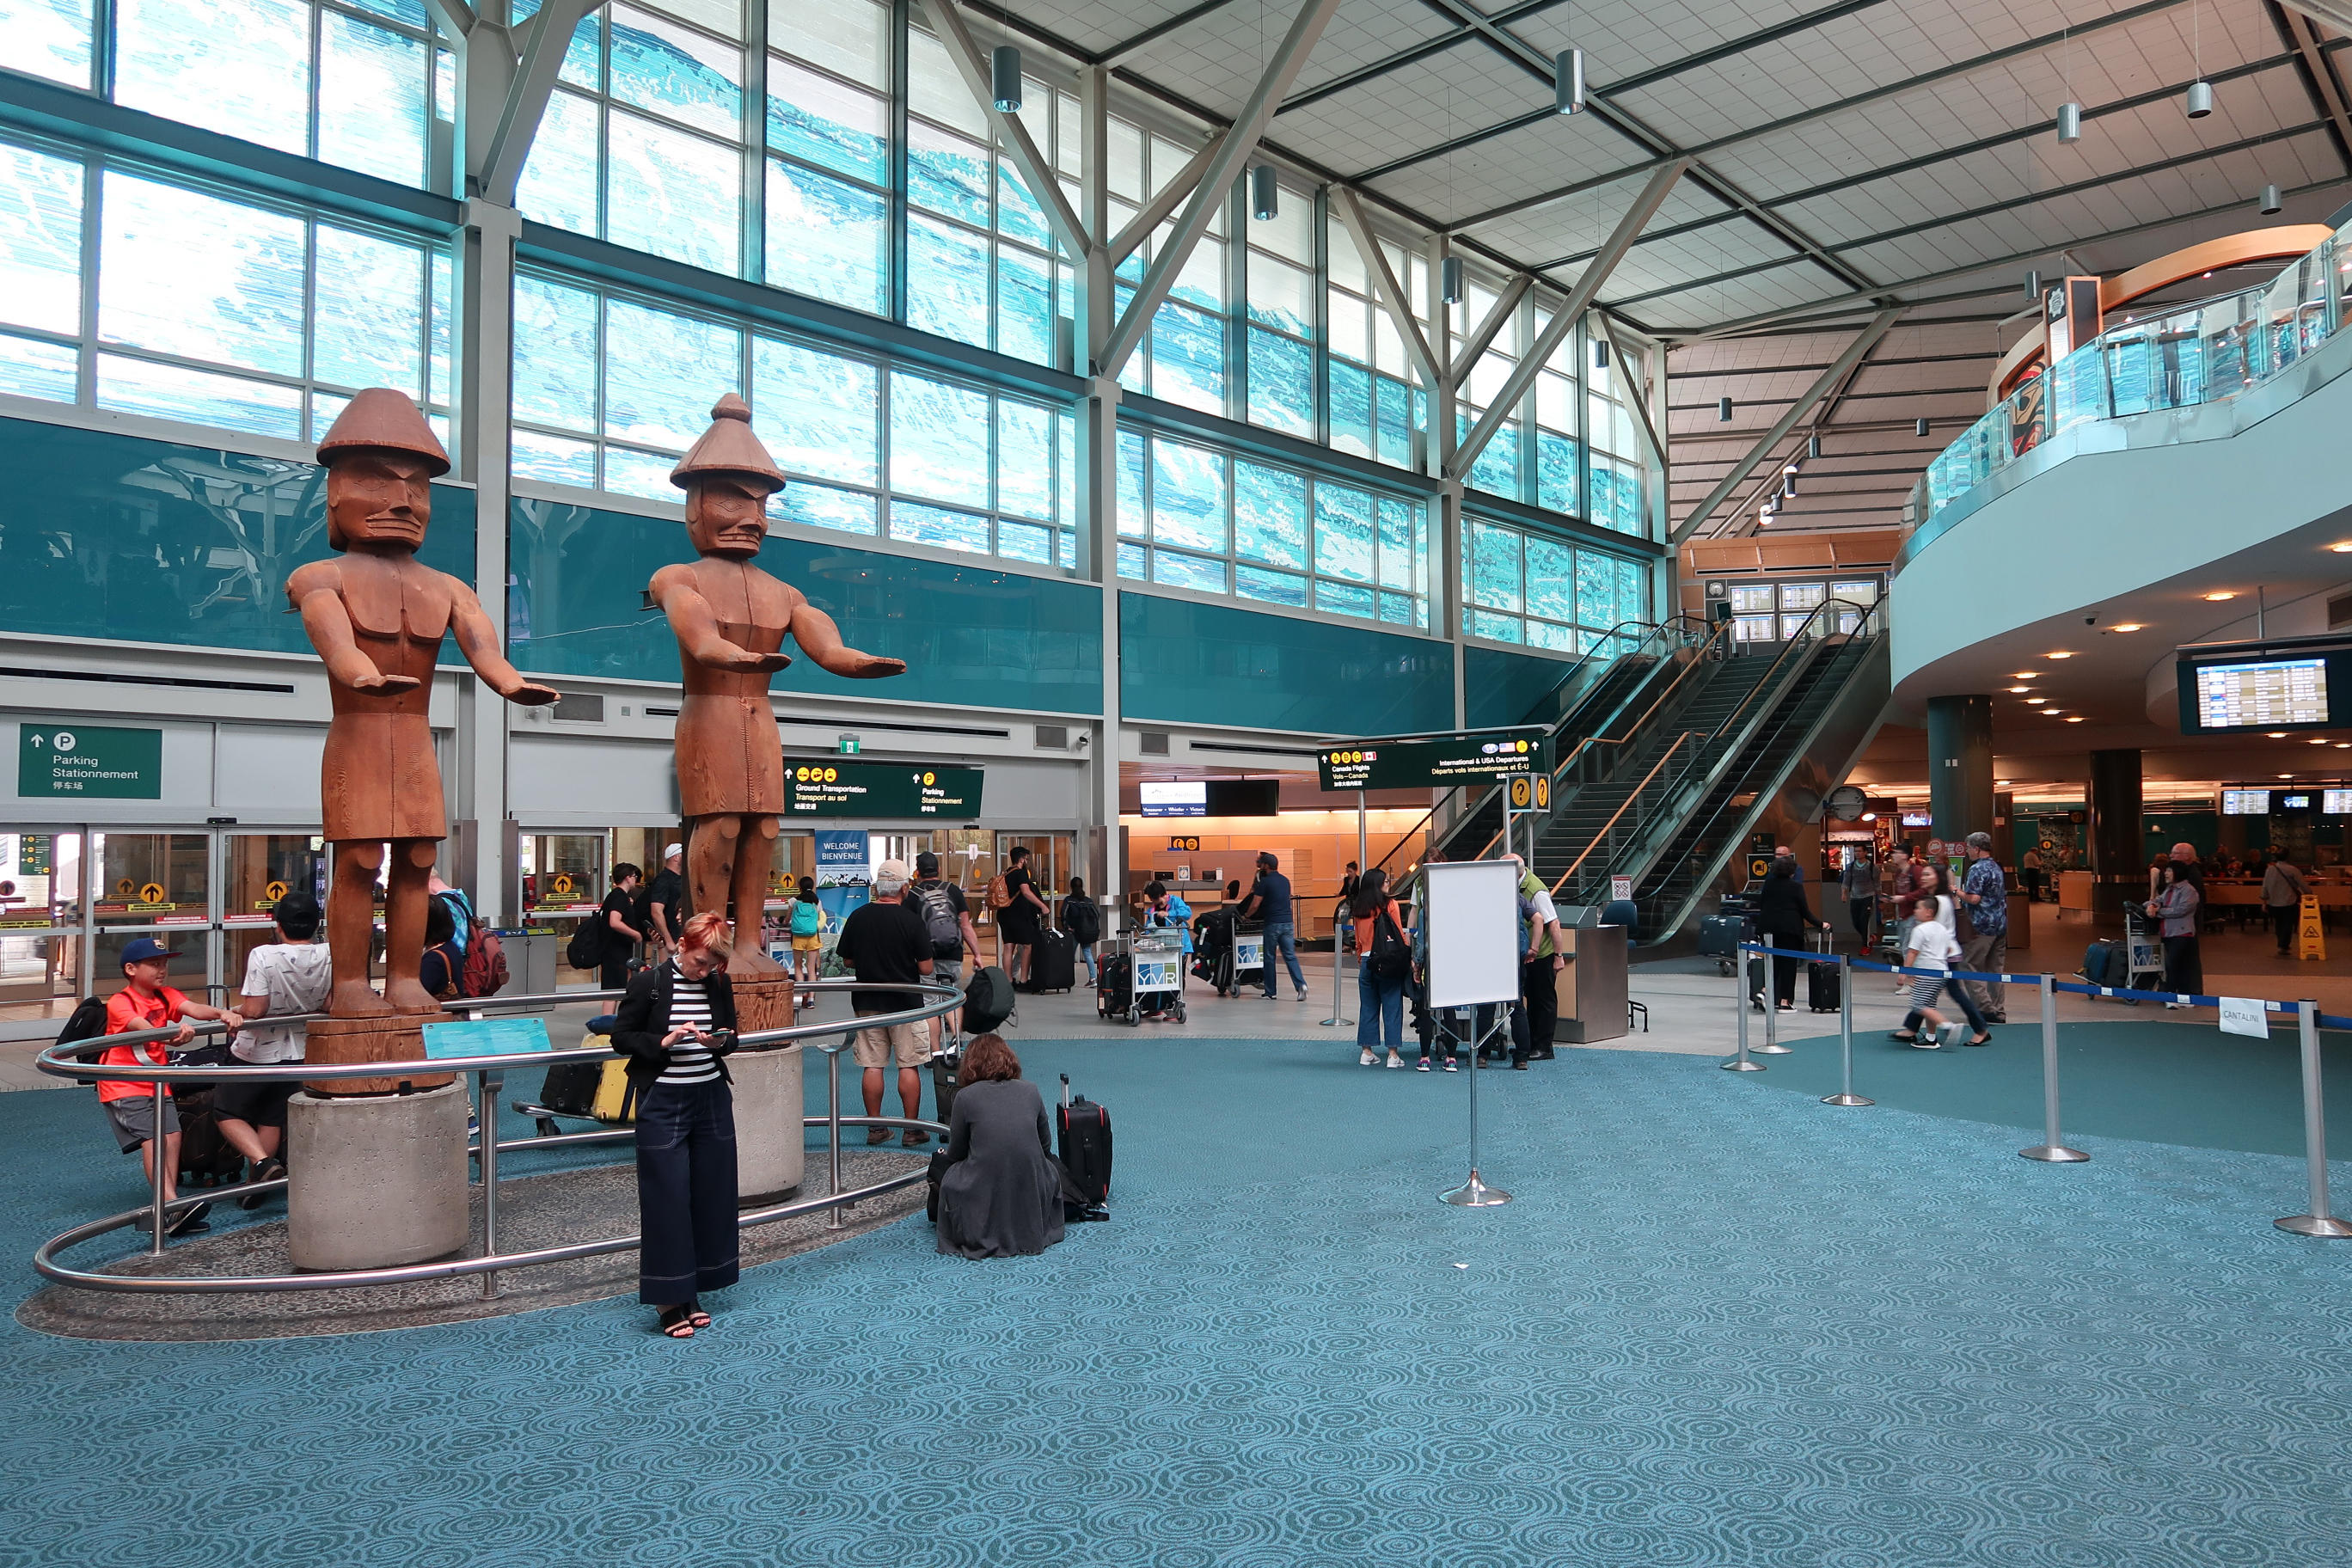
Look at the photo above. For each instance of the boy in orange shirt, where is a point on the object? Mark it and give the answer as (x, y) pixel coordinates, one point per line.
(146, 1002)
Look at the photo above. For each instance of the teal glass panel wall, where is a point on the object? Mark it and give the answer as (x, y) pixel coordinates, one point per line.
(123, 537)
(1500, 688)
(1187, 662)
(971, 634)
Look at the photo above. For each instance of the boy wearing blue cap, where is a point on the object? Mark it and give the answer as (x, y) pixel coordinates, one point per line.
(146, 1002)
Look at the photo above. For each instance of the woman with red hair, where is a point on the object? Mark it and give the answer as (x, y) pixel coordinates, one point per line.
(1001, 1195)
(676, 1024)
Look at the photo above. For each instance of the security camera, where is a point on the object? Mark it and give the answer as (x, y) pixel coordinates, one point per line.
(1085, 741)
(2090, 620)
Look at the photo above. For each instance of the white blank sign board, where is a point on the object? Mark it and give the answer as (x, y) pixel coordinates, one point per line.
(1471, 912)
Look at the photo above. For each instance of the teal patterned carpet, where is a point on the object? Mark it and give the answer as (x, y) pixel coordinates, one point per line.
(1723, 1324)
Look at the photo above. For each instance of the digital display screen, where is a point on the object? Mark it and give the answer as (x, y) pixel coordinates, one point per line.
(1175, 797)
(1421, 762)
(2336, 802)
(2294, 803)
(2246, 802)
(1918, 819)
(2271, 691)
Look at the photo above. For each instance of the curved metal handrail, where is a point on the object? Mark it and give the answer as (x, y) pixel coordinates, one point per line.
(63, 1061)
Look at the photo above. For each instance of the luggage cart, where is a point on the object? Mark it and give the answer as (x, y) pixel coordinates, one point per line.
(2143, 953)
(1157, 959)
(1248, 956)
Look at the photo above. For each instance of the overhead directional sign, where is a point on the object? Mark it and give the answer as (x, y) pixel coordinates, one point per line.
(834, 787)
(1418, 762)
(89, 760)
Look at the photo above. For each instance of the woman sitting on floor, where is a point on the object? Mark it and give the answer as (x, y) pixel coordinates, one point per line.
(1001, 1195)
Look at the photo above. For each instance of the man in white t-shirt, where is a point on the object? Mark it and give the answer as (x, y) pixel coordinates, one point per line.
(1542, 955)
(289, 975)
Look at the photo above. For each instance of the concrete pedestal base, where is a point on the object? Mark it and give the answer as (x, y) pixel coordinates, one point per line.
(768, 1149)
(379, 1181)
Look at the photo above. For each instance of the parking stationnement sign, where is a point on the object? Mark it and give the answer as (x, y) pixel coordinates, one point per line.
(89, 762)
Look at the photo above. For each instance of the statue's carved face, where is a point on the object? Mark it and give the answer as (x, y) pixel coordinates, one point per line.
(727, 516)
(378, 498)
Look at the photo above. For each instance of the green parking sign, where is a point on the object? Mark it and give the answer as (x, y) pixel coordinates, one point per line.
(89, 762)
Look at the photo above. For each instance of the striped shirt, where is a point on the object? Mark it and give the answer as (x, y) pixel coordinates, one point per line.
(689, 1003)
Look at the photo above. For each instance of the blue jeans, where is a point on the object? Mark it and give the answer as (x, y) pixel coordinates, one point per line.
(1380, 1008)
(1283, 936)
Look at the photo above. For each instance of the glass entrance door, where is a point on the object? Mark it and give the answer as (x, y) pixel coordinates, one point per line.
(43, 923)
(158, 885)
(256, 869)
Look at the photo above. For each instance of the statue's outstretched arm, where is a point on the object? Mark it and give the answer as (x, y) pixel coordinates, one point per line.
(821, 640)
(697, 629)
(479, 640)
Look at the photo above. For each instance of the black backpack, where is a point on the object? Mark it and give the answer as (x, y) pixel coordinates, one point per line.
(1082, 921)
(586, 950)
(939, 913)
(1391, 955)
(87, 1018)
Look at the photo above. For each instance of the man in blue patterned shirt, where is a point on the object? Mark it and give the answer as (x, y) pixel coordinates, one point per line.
(1985, 893)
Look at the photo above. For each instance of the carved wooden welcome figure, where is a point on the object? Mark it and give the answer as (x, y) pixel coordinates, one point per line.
(730, 619)
(377, 618)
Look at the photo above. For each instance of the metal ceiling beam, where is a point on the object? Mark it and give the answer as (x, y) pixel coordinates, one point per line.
(1810, 116)
(2164, 94)
(1385, 287)
(1499, 317)
(1158, 31)
(947, 26)
(2325, 87)
(1460, 33)
(526, 100)
(1638, 399)
(1992, 263)
(1725, 50)
(1232, 151)
(1862, 345)
(1993, 209)
(1563, 321)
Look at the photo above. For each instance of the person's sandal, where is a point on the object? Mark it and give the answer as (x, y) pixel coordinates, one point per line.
(677, 1322)
(1979, 1040)
(695, 1315)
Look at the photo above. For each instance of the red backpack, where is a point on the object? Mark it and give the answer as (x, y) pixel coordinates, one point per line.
(485, 973)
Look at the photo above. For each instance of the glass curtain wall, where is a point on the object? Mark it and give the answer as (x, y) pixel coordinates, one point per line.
(140, 295)
(609, 391)
(1191, 516)
(1378, 407)
(1523, 587)
(356, 85)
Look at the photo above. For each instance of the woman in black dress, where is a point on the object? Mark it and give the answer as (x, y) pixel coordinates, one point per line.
(674, 1025)
(1782, 917)
(1001, 1195)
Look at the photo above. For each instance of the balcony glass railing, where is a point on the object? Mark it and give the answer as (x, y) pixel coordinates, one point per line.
(2192, 354)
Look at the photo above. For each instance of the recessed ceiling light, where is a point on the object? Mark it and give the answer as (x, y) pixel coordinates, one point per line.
(2278, 734)
(2320, 742)
(2028, 674)
(2075, 720)
(2021, 688)
(2128, 626)
(2059, 654)
(2219, 598)
(2342, 548)
(2053, 713)
(2032, 700)
(2286, 775)
(2343, 745)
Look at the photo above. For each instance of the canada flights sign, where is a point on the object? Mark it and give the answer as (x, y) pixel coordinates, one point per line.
(1414, 761)
(835, 787)
(89, 761)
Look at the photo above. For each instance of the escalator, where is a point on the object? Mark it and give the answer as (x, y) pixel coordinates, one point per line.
(1671, 816)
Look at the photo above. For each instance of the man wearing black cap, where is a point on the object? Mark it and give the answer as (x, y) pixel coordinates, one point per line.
(1269, 903)
(944, 911)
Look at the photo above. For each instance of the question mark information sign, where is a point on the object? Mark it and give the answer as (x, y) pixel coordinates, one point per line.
(1418, 762)
(89, 762)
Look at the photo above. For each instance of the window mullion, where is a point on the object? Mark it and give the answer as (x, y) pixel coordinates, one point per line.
(751, 247)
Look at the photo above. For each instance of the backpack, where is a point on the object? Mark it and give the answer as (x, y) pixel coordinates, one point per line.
(808, 916)
(1082, 921)
(1391, 955)
(485, 973)
(87, 1018)
(1000, 896)
(586, 948)
(939, 920)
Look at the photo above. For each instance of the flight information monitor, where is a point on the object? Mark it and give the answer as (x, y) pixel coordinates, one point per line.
(2246, 802)
(2336, 802)
(2272, 693)
(1175, 797)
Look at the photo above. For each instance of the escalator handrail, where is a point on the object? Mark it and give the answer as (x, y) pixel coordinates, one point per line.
(1631, 795)
(1805, 645)
(1721, 630)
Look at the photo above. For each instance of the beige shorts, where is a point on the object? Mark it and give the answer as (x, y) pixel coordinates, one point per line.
(910, 1043)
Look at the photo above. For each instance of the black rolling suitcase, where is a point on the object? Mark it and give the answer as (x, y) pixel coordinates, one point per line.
(1086, 1150)
(1115, 988)
(1053, 961)
(1822, 979)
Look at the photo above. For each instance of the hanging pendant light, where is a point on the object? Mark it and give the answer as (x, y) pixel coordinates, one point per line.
(1787, 484)
(2070, 124)
(2271, 205)
(1601, 353)
(1568, 83)
(1004, 78)
(2200, 100)
(1813, 447)
(1265, 198)
(1919, 427)
(1449, 279)
(1723, 410)
(2033, 285)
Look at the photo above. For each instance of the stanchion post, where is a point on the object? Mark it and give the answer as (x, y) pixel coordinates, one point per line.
(2051, 1149)
(1739, 1008)
(1771, 1046)
(2319, 1222)
(492, 1081)
(1845, 1095)
(832, 1127)
(161, 1097)
(1475, 1194)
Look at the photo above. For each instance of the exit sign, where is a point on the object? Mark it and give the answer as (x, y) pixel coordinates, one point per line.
(850, 746)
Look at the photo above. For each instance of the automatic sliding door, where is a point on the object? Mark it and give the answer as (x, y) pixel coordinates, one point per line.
(43, 922)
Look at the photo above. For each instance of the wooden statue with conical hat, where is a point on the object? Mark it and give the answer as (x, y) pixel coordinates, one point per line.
(377, 617)
(730, 619)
